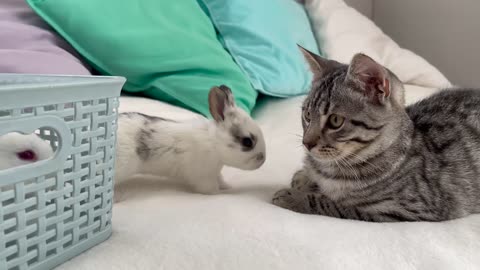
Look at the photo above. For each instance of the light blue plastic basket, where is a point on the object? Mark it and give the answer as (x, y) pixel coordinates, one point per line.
(53, 210)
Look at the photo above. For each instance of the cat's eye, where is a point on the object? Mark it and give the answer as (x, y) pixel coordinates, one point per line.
(335, 121)
(306, 116)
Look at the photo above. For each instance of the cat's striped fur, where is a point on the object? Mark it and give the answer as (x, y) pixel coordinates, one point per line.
(387, 163)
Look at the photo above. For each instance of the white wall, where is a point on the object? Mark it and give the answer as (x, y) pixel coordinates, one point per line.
(364, 6)
(445, 32)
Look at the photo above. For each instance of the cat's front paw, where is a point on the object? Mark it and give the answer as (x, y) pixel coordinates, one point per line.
(300, 181)
(291, 199)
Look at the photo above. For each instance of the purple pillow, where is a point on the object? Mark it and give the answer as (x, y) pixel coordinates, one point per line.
(29, 45)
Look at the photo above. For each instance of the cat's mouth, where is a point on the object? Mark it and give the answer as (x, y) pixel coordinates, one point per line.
(339, 152)
(325, 153)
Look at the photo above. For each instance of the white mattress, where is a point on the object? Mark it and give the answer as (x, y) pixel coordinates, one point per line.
(160, 225)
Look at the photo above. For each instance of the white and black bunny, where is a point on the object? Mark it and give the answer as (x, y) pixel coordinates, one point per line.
(194, 152)
(18, 149)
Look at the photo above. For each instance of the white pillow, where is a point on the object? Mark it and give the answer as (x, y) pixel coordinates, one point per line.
(342, 32)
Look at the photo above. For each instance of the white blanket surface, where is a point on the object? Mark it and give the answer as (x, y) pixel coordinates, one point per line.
(161, 225)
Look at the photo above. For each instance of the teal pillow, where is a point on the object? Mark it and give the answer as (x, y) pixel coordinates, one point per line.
(167, 50)
(262, 37)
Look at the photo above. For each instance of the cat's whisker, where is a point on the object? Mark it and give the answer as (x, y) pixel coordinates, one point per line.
(296, 134)
(367, 169)
(339, 166)
(363, 160)
(375, 170)
(350, 168)
(339, 169)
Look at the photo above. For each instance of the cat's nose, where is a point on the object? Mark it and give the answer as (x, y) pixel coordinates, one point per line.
(309, 144)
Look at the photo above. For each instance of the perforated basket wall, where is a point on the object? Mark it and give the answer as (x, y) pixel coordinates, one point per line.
(55, 209)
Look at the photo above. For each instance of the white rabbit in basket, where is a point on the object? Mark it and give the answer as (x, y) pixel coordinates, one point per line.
(18, 149)
(194, 151)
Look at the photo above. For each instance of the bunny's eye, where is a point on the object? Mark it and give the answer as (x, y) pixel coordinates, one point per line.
(27, 155)
(247, 142)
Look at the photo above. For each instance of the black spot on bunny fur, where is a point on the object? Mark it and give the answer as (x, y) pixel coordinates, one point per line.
(146, 147)
(143, 150)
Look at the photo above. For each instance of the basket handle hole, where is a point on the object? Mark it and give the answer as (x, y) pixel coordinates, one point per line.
(20, 149)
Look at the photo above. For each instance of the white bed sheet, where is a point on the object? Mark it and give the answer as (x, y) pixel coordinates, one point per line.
(160, 225)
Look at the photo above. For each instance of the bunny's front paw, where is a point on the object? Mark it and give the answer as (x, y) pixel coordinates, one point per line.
(223, 185)
(207, 190)
(207, 186)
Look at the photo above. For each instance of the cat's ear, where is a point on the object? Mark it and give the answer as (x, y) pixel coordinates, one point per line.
(370, 76)
(220, 99)
(318, 65)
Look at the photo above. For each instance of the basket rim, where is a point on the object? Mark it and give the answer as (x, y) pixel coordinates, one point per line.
(65, 81)
(55, 89)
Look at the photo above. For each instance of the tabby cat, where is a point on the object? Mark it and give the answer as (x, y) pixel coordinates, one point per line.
(371, 158)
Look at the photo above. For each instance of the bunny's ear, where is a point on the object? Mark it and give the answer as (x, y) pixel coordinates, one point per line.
(220, 99)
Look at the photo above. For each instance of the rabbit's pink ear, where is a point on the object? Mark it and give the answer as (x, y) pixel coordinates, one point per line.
(219, 100)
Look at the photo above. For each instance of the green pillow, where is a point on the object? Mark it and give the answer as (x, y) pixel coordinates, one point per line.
(167, 50)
